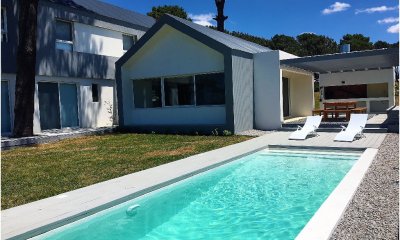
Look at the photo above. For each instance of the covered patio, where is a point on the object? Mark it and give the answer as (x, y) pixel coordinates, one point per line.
(364, 77)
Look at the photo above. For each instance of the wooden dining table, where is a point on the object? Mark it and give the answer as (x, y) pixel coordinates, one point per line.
(337, 108)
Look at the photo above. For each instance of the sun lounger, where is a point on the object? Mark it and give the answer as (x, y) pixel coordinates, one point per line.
(309, 128)
(354, 129)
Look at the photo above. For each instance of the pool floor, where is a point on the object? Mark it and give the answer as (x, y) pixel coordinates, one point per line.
(270, 194)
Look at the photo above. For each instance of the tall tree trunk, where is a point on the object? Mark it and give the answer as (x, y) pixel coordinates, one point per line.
(220, 18)
(26, 65)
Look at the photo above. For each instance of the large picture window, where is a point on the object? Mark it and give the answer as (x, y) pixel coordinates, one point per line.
(210, 89)
(64, 39)
(179, 91)
(196, 90)
(147, 93)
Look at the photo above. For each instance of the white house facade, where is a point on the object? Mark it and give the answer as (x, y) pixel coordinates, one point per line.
(184, 77)
(78, 43)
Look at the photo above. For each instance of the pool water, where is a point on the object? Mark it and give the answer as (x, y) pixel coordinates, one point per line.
(270, 194)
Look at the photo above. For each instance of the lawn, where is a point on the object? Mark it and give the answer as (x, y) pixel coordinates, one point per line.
(33, 173)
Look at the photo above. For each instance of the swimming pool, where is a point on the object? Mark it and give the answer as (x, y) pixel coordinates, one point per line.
(270, 194)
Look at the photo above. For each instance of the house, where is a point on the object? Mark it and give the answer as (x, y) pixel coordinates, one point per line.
(183, 77)
(186, 77)
(78, 43)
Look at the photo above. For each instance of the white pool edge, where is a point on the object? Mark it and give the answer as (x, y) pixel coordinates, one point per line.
(325, 220)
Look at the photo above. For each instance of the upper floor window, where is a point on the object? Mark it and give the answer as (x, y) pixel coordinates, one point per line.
(3, 25)
(128, 41)
(64, 39)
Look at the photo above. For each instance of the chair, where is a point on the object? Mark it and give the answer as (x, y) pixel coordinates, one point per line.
(354, 129)
(309, 128)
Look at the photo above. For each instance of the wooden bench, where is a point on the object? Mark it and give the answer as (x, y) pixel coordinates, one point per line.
(359, 110)
(318, 112)
(336, 112)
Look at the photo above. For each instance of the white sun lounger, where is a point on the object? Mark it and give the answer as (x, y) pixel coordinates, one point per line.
(354, 129)
(309, 128)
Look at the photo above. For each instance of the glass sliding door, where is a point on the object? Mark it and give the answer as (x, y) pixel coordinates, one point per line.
(68, 105)
(49, 106)
(5, 108)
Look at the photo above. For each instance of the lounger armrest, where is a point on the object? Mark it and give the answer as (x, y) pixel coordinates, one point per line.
(343, 128)
(299, 127)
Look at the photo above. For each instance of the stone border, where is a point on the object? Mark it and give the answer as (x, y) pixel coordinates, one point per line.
(324, 221)
(9, 143)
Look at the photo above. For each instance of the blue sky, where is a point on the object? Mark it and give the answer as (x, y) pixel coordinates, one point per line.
(377, 19)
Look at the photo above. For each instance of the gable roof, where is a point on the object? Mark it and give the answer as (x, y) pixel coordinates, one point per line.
(217, 40)
(224, 38)
(109, 10)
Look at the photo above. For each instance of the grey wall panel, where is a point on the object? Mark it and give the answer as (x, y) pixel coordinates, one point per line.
(242, 87)
(75, 64)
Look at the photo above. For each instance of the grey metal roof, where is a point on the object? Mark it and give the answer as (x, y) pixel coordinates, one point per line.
(370, 59)
(109, 10)
(226, 39)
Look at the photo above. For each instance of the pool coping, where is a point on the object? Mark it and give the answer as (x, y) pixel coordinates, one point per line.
(325, 220)
(50, 213)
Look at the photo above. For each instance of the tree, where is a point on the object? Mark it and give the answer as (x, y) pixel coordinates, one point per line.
(26, 65)
(220, 18)
(358, 42)
(158, 12)
(381, 44)
(286, 43)
(313, 44)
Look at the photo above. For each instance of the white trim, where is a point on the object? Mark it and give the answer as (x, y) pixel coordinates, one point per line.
(328, 215)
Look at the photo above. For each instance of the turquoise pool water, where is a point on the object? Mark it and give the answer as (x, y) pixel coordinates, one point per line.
(270, 194)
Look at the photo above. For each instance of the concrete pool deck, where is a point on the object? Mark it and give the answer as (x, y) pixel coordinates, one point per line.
(37, 217)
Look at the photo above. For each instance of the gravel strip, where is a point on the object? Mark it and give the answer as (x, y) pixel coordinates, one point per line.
(254, 133)
(373, 212)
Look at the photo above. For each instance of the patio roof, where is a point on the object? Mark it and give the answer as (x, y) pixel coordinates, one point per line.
(352, 61)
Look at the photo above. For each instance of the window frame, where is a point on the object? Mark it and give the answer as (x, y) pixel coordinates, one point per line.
(71, 42)
(163, 106)
(134, 38)
(5, 30)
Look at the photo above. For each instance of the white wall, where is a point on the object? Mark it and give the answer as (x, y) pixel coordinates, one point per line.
(358, 77)
(301, 92)
(101, 41)
(170, 53)
(268, 100)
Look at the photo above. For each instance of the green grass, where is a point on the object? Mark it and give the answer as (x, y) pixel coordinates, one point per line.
(33, 173)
